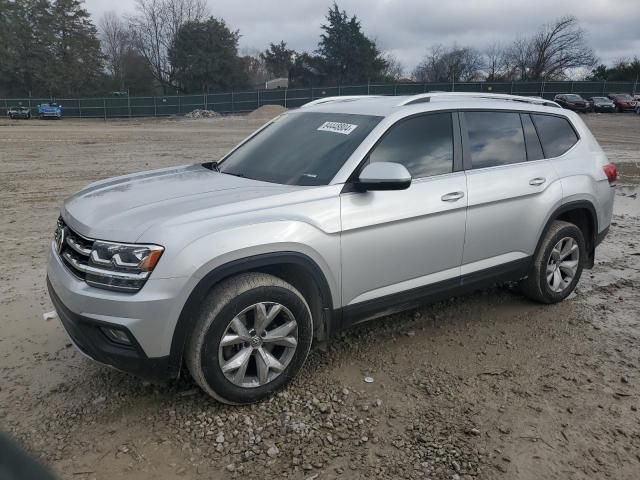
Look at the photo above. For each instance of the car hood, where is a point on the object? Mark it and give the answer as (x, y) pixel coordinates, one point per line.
(123, 208)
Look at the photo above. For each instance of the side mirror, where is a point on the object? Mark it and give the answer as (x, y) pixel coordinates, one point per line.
(384, 176)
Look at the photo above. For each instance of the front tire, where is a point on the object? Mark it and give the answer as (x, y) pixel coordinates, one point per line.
(251, 338)
(557, 265)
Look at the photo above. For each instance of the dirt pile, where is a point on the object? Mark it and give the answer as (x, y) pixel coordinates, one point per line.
(200, 113)
(267, 112)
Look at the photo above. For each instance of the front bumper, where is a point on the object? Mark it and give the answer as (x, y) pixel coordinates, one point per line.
(148, 317)
(88, 337)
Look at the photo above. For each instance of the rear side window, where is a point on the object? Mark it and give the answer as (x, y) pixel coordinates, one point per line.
(534, 149)
(495, 138)
(424, 145)
(556, 134)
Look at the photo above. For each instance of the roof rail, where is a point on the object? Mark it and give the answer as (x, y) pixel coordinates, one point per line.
(344, 98)
(426, 97)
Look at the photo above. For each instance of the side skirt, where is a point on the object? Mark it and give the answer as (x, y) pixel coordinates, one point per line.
(380, 307)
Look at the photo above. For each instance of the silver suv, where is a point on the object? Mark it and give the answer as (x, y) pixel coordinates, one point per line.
(344, 210)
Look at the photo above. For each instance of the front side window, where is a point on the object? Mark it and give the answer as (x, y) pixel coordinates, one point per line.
(495, 138)
(556, 134)
(423, 144)
(300, 148)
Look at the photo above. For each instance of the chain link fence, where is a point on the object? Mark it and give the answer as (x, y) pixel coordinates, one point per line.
(242, 102)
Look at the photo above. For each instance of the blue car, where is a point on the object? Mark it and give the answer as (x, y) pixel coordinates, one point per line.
(50, 110)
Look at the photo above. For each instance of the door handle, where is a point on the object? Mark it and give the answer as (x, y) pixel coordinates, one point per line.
(537, 181)
(452, 197)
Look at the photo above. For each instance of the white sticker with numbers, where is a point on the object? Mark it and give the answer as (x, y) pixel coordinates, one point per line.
(337, 127)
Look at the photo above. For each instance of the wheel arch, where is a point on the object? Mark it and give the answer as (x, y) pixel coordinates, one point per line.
(581, 213)
(295, 268)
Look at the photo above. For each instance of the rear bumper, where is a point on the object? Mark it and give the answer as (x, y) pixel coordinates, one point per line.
(88, 336)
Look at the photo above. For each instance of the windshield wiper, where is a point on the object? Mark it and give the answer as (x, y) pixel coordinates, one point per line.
(214, 165)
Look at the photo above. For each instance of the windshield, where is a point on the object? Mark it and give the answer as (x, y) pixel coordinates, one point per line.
(624, 98)
(300, 148)
(601, 99)
(573, 98)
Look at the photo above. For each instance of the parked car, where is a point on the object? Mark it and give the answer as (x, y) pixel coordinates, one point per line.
(637, 99)
(19, 112)
(344, 210)
(602, 104)
(623, 102)
(50, 110)
(572, 101)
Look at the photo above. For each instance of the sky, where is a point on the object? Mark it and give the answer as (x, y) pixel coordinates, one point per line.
(407, 28)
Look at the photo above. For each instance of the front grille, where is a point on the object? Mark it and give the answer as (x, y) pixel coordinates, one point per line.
(74, 249)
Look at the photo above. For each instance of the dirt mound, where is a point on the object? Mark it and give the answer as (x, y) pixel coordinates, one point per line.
(199, 113)
(267, 112)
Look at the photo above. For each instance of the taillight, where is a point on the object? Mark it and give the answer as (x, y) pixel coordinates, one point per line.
(611, 171)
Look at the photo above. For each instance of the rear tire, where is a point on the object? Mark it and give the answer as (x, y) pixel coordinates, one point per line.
(557, 265)
(251, 338)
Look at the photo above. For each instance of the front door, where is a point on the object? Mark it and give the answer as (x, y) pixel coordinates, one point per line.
(396, 244)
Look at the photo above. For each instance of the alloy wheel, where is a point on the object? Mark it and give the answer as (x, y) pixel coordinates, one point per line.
(258, 344)
(563, 264)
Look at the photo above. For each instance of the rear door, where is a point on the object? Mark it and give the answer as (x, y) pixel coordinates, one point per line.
(511, 189)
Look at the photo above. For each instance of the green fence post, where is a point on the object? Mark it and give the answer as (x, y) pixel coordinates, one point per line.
(511, 88)
(128, 105)
(79, 108)
(571, 89)
(542, 89)
(285, 96)
(604, 87)
(104, 108)
(395, 89)
(258, 96)
(179, 105)
(155, 106)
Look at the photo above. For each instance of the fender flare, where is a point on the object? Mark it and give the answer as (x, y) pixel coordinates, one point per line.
(187, 318)
(566, 207)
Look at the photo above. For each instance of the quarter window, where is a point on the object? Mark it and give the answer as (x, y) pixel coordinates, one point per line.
(424, 145)
(556, 134)
(495, 138)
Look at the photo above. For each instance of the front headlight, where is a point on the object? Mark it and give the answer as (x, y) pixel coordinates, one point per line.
(121, 266)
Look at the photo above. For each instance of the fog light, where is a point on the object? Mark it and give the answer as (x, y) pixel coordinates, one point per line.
(116, 335)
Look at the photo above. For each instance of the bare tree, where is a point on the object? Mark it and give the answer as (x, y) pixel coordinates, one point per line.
(154, 27)
(552, 52)
(449, 64)
(496, 64)
(256, 70)
(394, 71)
(116, 44)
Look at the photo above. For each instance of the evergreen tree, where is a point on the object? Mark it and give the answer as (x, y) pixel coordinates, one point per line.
(278, 59)
(76, 50)
(29, 48)
(349, 56)
(204, 56)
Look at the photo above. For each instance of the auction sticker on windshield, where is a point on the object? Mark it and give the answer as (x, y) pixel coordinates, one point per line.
(337, 127)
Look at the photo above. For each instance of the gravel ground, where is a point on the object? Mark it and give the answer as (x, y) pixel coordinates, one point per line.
(487, 386)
